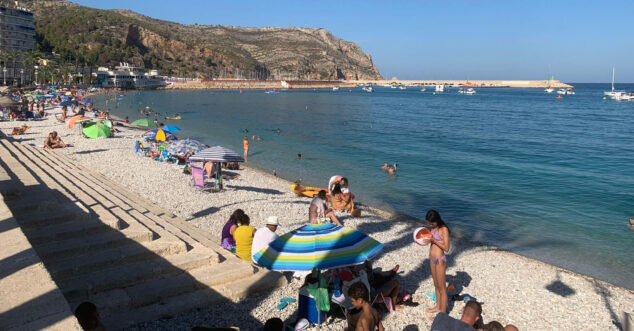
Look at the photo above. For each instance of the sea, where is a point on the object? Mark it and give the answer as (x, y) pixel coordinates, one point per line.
(551, 179)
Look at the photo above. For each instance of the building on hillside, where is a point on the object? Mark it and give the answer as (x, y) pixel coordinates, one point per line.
(17, 34)
(129, 77)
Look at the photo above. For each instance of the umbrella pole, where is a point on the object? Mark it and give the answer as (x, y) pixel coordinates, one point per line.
(219, 175)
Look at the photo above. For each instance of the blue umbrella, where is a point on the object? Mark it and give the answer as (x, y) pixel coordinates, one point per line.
(86, 101)
(66, 103)
(171, 128)
(158, 135)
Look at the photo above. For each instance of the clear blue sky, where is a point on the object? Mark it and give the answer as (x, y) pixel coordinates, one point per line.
(579, 40)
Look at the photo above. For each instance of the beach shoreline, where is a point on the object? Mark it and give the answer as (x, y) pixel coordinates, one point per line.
(535, 295)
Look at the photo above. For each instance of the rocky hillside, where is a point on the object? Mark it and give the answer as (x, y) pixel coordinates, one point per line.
(107, 37)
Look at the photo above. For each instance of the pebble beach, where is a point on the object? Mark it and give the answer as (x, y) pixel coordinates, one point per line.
(515, 290)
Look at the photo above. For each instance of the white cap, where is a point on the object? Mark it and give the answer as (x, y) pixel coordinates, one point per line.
(272, 220)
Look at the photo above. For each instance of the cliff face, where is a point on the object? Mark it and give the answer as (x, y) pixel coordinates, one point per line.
(107, 37)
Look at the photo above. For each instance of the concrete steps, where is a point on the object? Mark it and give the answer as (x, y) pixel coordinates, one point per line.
(103, 243)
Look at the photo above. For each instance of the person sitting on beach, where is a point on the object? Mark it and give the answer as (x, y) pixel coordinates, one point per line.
(470, 314)
(264, 236)
(318, 211)
(210, 169)
(493, 326)
(342, 201)
(227, 241)
(53, 141)
(369, 319)
(127, 120)
(243, 236)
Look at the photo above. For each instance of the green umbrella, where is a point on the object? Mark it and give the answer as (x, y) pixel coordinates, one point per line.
(145, 123)
(96, 130)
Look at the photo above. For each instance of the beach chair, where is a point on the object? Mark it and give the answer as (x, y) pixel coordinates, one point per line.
(198, 179)
(139, 149)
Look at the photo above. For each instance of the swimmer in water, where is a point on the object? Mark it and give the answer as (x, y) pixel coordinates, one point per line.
(299, 155)
(259, 138)
(392, 169)
(279, 131)
(385, 166)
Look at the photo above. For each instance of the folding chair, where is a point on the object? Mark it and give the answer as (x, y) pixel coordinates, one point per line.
(198, 179)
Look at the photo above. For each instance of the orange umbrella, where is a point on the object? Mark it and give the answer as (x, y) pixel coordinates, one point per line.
(76, 119)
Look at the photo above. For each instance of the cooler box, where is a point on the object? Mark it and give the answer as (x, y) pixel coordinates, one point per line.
(307, 307)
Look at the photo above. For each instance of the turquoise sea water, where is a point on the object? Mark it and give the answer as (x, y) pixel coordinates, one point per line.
(549, 179)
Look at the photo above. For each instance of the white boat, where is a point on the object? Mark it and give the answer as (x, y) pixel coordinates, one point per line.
(423, 89)
(335, 88)
(440, 88)
(566, 91)
(614, 93)
(368, 89)
(403, 87)
(623, 96)
(468, 91)
(549, 89)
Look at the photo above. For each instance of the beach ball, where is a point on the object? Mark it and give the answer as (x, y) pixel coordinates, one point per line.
(420, 235)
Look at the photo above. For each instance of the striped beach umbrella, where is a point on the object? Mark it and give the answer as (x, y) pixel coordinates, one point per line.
(322, 246)
(184, 146)
(216, 154)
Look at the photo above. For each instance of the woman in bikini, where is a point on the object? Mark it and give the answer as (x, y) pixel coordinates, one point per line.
(439, 244)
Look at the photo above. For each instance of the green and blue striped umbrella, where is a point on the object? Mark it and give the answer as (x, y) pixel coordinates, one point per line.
(322, 246)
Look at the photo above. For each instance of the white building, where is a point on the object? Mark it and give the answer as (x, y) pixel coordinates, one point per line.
(17, 34)
(126, 76)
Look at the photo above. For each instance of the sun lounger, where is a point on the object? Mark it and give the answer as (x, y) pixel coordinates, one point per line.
(198, 179)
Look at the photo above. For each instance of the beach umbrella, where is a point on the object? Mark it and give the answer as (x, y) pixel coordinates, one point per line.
(96, 130)
(184, 146)
(216, 154)
(158, 135)
(107, 123)
(171, 128)
(66, 103)
(144, 122)
(77, 119)
(321, 246)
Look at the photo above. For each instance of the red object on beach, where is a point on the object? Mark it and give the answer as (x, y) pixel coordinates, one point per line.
(420, 236)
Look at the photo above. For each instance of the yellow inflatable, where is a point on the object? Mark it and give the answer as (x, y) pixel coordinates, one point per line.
(173, 118)
(306, 191)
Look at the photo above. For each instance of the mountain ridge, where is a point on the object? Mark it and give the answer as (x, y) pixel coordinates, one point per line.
(107, 37)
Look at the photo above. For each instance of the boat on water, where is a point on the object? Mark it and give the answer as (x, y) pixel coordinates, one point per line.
(566, 91)
(368, 89)
(335, 88)
(613, 93)
(423, 89)
(623, 96)
(393, 86)
(403, 87)
(440, 88)
(467, 91)
(549, 88)
(272, 92)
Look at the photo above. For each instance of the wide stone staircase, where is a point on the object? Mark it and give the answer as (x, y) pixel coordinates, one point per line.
(103, 243)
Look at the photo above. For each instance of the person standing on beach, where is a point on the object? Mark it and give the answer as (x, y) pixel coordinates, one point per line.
(439, 244)
(245, 144)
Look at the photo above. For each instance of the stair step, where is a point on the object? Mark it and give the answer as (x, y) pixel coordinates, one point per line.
(262, 280)
(223, 273)
(24, 177)
(166, 308)
(87, 244)
(73, 228)
(76, 289)
(70, 211)
(32, 200)
(119, 255)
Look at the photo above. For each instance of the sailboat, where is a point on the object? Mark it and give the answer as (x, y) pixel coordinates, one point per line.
(613, 94)
(549, 89)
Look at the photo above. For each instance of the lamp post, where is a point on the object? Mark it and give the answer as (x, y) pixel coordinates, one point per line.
(36, 67)
(21, 76)
(4, 75)
(70, 77)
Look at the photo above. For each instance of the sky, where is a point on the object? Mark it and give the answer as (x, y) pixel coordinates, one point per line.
(576, 41)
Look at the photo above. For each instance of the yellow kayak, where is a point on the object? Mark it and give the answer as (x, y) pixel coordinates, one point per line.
(306, 191)
(173, 118)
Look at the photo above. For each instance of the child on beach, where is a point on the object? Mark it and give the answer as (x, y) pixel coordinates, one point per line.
(245, 144)
(439, 244)
(369, 319)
